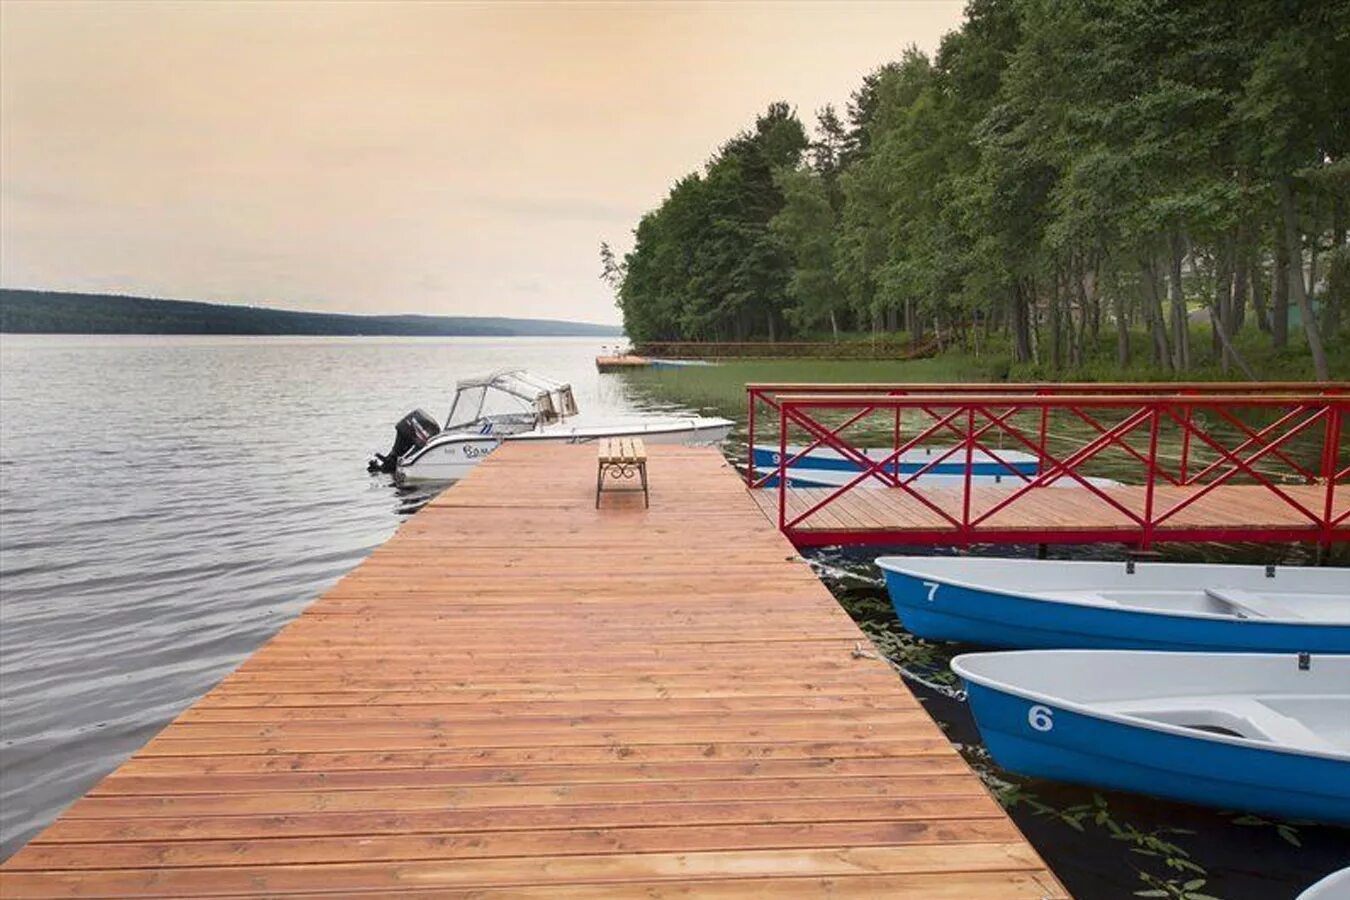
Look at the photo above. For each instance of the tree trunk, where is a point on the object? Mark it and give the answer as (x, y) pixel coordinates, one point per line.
(1279, 325)
(834, 326)
(1229, 351)
(1294, 243)
(1239, 291)
(1221, 313)
(1153, 313)
(1181, 328)
(1056, 323)
(1034, 320)
(1019, 321)
(1258, 281)
(1333, 300)
(1122, 328)
(1079, 325)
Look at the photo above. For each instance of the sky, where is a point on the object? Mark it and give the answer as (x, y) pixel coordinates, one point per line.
(417, 157)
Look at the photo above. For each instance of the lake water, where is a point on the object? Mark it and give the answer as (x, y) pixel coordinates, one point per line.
(167, 504)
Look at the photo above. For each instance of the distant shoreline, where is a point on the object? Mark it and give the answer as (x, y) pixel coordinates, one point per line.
(56, 312)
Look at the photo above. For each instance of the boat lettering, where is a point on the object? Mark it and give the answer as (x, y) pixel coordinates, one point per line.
(932, 590)
(472, 452)
(1041, 718)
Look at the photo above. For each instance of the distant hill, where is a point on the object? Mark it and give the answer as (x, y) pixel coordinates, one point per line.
(51, 312)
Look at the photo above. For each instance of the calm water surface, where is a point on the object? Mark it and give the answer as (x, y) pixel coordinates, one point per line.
(169, 503)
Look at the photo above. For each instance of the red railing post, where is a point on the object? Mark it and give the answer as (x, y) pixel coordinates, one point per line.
(1044, 437)
(895, 442)
(970, 465)
(782, 465)
(1186, 444)
(1331, 457)
(750, 471)
(1146, 543)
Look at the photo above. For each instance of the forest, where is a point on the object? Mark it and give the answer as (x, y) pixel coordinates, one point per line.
(55, 312)
(1153, 178)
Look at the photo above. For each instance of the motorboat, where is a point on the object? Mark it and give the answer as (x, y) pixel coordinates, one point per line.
(1054, 604)
(517, 405)
(1268, 733)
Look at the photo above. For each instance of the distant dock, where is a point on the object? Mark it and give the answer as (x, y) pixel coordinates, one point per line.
(628, 363)
(623, 363)
(521, 695)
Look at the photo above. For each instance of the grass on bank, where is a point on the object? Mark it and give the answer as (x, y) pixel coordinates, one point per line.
(722, 387)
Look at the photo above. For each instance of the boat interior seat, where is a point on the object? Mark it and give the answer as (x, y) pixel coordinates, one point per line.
(1251, 605)
(1246, 717)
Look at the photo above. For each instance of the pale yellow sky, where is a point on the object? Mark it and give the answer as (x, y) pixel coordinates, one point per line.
(450, 158)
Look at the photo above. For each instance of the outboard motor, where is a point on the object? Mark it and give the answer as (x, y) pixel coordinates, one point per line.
(411, 433)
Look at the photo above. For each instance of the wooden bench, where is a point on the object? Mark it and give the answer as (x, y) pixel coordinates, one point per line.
(622, 458)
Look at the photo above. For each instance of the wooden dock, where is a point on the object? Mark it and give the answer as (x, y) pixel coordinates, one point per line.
(1053, 515)
(520, 695)
(621, 363)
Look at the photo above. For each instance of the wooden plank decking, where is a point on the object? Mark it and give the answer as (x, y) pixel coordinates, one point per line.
(1064, 514)
(520, 695)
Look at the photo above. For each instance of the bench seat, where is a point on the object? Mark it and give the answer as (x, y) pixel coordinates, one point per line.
(622, 458)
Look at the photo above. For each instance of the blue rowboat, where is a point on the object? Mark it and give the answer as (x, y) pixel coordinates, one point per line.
(982, 463)
(1335, 886)
(1106, 605)
(678, 363)
(1268, 733)
(835, 478)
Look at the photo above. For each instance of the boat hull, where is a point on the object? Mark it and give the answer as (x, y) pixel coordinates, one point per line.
(451, 457)
(1335, 886)
(838, 478)
(942, 611)
(1088, 750)
(766, 460)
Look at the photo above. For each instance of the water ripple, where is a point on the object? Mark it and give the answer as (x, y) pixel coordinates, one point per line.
(207, 492)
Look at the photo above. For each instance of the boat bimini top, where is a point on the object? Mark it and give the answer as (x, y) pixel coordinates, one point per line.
(508, 400)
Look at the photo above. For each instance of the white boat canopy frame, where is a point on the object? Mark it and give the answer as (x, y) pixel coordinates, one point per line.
(546, 401)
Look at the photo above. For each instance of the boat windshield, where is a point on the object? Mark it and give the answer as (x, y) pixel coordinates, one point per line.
(510, 400)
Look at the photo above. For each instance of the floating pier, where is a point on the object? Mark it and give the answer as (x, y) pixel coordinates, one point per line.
(621, 363)
(522, 695)
(1270, 463)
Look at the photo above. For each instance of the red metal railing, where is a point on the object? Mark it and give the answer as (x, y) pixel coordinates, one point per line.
(1264, 441)
(765, 395)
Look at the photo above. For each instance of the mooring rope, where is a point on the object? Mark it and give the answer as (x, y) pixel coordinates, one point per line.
(836, 572)
(946, 690)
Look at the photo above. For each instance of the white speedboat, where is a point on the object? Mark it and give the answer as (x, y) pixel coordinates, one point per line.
(516, 405)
